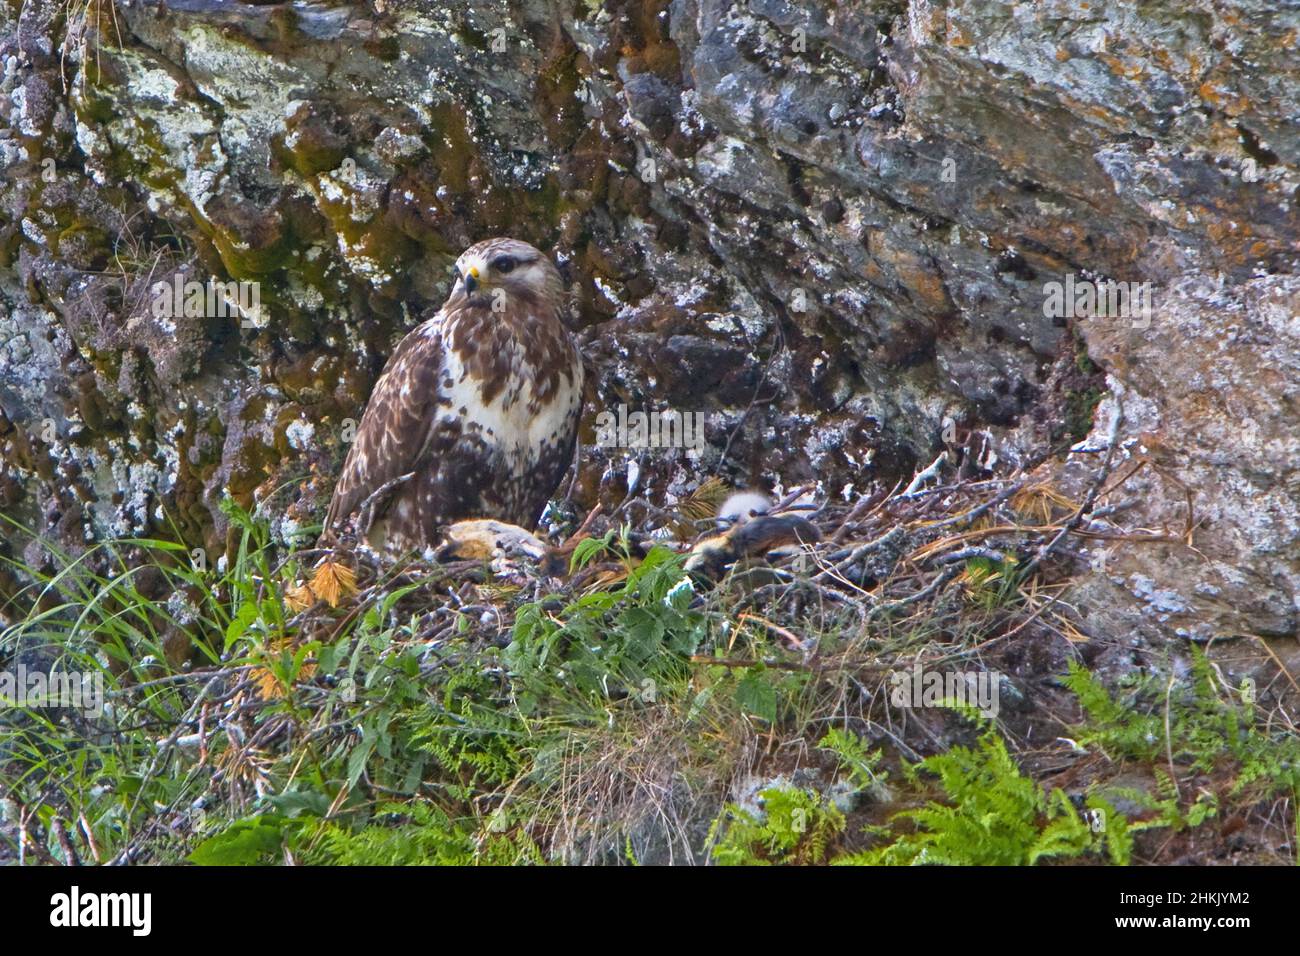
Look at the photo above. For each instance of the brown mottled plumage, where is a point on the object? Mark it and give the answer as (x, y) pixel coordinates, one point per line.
(479, 407)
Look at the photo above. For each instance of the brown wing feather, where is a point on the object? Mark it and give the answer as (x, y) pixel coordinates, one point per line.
(391, 439)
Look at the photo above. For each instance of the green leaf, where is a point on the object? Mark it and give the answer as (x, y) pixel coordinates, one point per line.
(244, 843)
(756, 696)
(645, 632)
(294, 803)
(357, 760)
(245, 616)
(588, 548)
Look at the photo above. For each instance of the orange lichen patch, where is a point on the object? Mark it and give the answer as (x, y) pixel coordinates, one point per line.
(1221, 231)
(933, 21)
(1125, 66)
(929, 288)
(1223, 98)
(919, 276)
(1093, 111)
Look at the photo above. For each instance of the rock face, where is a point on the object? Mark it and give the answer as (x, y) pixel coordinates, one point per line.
(827, 226)
(1208, 400)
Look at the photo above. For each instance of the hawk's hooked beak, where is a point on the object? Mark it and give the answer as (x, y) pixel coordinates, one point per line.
(471, 280)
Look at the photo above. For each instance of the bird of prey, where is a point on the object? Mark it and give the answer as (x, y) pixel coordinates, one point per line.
(476, 412)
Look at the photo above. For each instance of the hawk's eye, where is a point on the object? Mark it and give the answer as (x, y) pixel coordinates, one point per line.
(503, 264)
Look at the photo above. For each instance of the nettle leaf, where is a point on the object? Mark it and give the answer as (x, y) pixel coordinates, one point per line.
(295, 803)
(244, 617)
(645, 631)
(597, 600)
(700, 701)
(685, 631)
(528, 621)
(681, 594)
(657, 574)
(756, 696)
(414, 774)
(588, 548)
(244, 843)
(330, 656)
(378, 613)
(357, 760)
